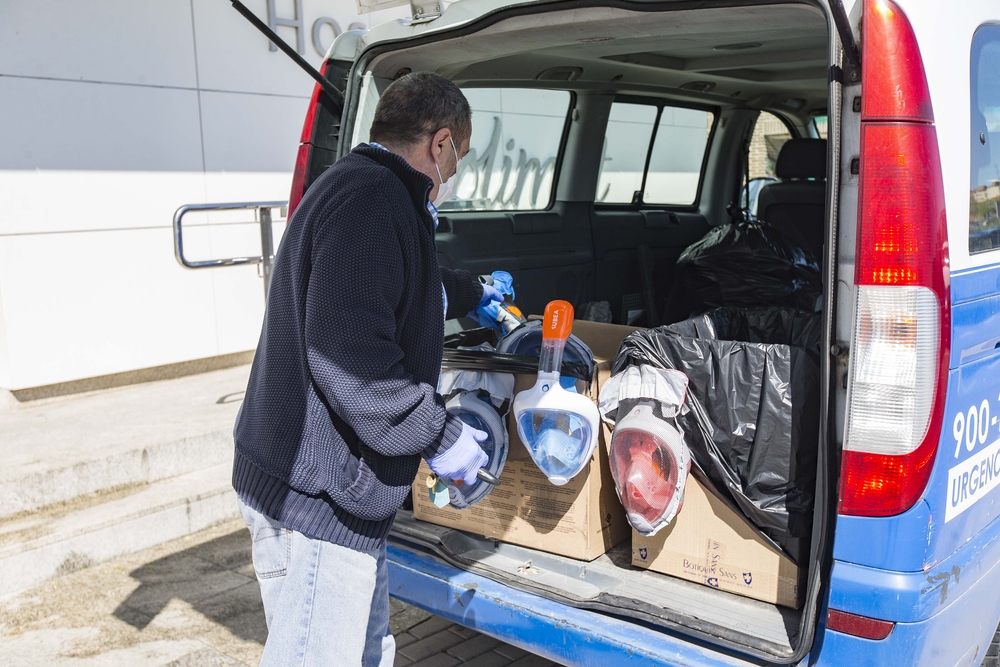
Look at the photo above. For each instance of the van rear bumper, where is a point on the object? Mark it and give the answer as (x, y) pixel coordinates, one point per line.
(958, 635)
(912, 597)
(565, 634)
(945, 615)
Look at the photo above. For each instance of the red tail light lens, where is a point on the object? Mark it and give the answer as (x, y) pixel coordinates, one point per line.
(859, 626)
(305, 148)
(899, 361)
(299, 177)
(902, 232)
(893, 81)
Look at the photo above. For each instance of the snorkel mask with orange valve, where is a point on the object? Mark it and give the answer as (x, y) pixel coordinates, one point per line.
(558, 427)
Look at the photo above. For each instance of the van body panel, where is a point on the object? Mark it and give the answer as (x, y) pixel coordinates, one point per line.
(896, 543)
(977, 329)
(958, 635)
(910, 597)
(930, 533)
(976, 283)
(964, 488)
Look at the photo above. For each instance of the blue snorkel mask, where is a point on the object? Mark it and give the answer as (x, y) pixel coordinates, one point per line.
(559, 427)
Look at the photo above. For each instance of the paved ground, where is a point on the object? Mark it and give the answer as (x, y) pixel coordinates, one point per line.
(194, 602)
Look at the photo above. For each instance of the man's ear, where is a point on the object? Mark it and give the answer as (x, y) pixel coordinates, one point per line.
(440, 145)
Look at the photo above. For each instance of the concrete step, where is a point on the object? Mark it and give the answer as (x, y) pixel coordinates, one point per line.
(58, 450)
(141, 465)
(39, 545)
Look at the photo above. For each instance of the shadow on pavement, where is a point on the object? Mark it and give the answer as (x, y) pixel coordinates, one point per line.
(215, 578)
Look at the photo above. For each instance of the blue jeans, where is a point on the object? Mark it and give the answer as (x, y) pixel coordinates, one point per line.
(324, 604)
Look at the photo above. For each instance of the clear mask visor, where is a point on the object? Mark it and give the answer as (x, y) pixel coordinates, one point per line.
(558, 441)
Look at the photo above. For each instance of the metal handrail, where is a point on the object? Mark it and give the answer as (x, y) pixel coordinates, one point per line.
(265, 259)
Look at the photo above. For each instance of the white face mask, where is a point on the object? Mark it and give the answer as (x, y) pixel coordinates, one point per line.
(447, 188)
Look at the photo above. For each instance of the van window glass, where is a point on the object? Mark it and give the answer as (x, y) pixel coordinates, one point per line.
(366, 110)
(819, 126)
(677, 156)
(984, 196)
(626, 145)
(769, 135)
(516, 135)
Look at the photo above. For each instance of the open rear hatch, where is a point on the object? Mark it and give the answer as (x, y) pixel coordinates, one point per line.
(662, 45)
(770, 54)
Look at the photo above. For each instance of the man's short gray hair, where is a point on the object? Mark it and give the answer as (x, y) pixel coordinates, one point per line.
(416, 106)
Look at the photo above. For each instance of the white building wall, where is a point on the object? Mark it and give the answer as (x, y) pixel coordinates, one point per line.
(112, 114)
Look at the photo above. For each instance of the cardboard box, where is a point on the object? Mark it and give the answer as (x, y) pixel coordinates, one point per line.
(710, 543)
(582, 519)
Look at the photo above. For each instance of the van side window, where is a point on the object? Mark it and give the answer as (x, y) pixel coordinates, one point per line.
(643, 166)
(678, 152)
(516, 137)
(769, 135)
(984, 195)
(626, 146)
(819, 125)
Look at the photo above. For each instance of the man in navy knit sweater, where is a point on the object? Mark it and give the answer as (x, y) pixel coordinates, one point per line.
(341, 403)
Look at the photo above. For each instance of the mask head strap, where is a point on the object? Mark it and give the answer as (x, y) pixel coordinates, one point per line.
(436, 166)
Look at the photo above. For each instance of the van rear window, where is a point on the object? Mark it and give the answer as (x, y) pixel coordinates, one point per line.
(984, 195)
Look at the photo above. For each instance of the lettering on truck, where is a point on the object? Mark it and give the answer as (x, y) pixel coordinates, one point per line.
(975, 477)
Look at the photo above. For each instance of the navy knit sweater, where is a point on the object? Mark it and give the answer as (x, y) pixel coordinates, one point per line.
(341, 401)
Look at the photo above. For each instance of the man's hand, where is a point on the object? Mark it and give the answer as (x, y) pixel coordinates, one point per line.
(463, 459)
(493, 295)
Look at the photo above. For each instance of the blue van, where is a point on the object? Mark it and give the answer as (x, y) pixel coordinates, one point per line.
(606, 126)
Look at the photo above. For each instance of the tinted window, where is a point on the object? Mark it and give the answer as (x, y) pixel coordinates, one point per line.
(675, 153)
(984, 197)
(626, 145)
(819, 124)
(516, 135)
(678, 152)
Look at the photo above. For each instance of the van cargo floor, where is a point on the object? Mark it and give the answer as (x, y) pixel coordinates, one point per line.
(612, 585)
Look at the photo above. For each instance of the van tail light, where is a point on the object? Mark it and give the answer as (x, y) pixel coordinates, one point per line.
(857, 625)
(899, 361)
(302, 159)
(299, 177)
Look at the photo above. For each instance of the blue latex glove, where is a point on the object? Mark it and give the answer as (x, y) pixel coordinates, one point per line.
(493, 296)
(462, 460)
(504, 282)
(489, 307)
(490, 294)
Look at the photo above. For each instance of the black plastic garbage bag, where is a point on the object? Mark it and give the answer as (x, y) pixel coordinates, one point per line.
(753, 421)
(777, 326)
(746, 265)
